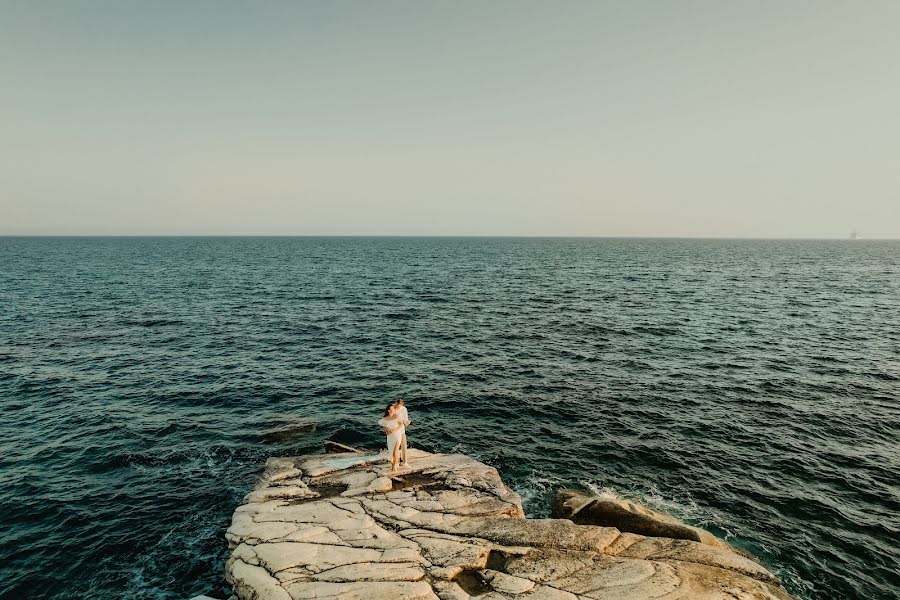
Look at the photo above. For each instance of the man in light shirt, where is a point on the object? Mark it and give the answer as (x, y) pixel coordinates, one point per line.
(403, 417)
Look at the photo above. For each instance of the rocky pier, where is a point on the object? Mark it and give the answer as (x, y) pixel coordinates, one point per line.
(339, 526)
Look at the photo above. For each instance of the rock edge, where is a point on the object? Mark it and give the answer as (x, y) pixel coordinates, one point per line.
(340, 526)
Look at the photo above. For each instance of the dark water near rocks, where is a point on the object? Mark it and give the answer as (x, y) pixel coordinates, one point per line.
(752, 387)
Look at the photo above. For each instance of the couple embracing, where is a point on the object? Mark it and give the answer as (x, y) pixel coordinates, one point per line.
(393, 424)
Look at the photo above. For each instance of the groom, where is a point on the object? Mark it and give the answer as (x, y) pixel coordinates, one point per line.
(403, 417)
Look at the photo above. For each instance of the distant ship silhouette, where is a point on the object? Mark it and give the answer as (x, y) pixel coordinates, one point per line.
(854, 235)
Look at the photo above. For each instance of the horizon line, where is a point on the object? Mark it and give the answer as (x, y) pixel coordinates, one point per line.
(438, 236)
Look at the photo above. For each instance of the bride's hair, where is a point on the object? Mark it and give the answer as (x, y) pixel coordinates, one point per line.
(387, 410)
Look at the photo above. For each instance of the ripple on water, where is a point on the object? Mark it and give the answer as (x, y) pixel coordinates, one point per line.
(749, 387)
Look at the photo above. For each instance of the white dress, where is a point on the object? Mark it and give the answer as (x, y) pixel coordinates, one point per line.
(392, 438)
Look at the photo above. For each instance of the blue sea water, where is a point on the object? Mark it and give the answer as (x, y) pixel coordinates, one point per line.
(750, 387)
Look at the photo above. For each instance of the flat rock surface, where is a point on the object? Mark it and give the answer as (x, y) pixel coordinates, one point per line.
(340, 526)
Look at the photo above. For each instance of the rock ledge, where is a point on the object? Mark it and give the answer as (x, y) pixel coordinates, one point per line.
(338, 526)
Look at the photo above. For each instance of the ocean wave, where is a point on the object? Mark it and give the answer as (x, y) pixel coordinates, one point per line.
(151, 322)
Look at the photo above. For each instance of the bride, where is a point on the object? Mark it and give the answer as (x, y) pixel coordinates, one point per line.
(393, 427)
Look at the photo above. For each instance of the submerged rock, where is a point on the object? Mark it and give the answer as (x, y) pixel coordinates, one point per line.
(332, 447)
(288, 431)
(340, 526)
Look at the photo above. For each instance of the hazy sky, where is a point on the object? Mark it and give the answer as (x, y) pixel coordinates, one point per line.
(675, 118)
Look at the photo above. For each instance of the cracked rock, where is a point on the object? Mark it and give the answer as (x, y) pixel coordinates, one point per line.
(339, 526)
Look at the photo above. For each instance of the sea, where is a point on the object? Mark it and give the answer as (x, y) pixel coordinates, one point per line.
(751, 387)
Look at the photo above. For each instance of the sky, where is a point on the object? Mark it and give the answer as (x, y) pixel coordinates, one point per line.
(690, 118)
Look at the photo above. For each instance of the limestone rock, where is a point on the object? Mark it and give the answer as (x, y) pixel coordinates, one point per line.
(503, 583)
(610, 511)
(341, 526)
(255, 583)
(282, 474)
(369, 590)
(270, 493)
